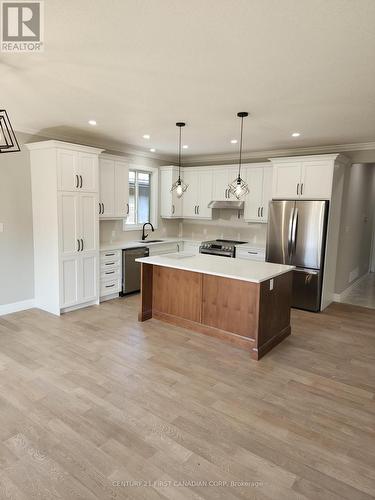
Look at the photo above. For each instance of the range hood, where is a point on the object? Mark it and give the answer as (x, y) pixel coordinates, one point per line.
(228, 204)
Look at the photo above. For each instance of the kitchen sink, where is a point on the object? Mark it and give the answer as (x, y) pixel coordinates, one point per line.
(150, 241)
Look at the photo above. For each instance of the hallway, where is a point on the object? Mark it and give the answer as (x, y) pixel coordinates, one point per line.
(364, 293)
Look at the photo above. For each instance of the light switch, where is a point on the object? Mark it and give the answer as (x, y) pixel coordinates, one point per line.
(271, 284)
(1, 227)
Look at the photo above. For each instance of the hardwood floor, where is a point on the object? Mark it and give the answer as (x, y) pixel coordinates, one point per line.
(94, 399)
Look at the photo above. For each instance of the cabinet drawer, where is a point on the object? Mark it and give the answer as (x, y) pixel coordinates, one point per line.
(109, 287)
(251, 254)
(110, 274)
(110, 255)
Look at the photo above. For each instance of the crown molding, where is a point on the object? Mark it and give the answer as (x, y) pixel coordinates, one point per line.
(273, 153)
(107, 146)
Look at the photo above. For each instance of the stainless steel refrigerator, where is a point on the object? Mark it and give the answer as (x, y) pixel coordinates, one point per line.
(297, 235)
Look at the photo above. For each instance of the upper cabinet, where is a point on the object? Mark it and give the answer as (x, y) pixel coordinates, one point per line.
(170, 204)
(259, 180)
(198, 194)
(221, 179)
(114, 188)
(77, 171)
(304, 177)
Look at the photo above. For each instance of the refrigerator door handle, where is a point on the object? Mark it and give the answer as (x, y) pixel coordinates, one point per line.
(294, 230)
(290, 233)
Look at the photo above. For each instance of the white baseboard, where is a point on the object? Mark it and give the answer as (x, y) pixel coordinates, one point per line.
(16, 306)
(340, 297)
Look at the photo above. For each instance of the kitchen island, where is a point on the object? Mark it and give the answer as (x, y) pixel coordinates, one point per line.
(246, 303)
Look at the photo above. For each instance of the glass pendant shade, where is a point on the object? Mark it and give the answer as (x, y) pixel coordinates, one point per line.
(179, 186)
(239, 188)
(8, 140)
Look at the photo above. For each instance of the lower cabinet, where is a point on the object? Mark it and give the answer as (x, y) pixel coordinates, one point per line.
(248, 253)
(110, 274)
(78, 280)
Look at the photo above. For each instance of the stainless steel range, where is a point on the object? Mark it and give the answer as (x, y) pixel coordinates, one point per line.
(225, 248)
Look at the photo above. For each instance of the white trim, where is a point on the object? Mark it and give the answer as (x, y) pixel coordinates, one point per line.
(248, 156)
(16, 307)
(62, 145)
(340, 297)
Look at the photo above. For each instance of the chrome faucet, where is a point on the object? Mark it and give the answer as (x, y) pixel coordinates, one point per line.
(144, 236)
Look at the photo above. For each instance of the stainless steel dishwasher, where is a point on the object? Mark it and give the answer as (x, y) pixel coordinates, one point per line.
(131, 270)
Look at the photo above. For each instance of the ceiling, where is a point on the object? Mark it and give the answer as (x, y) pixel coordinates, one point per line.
(138, 66)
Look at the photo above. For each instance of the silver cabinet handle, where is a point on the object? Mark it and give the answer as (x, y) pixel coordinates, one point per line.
(253, 253)
(109, 254)
(109, 264)
(261, 212)
(198, 209)
(298, 189)
(77, 182)
(302, 188)
(100, 208)
(127, 209)
(81, 181)
(258, 211)
(195, 209)
(110, 286)
(172, 209)
(110, 272)
(81, 245)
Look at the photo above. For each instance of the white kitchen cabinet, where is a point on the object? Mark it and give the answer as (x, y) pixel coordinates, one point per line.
(251, 253)
(308, 178)
(199, 193)
(221, 178)
(76, 171)
(110, 274)
(170, 204)
(259, 180)
(66, 225)
(113, 188)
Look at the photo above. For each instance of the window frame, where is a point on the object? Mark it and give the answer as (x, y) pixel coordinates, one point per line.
(154, 177)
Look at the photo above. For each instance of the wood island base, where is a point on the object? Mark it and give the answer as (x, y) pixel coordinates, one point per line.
(253, 316)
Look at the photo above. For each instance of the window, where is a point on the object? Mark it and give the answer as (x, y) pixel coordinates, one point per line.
(139, 198)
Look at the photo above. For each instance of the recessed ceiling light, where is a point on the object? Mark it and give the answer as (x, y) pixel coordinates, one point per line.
(92, 122)
(146, 136)
(296, 134)
(152, 150)
(233, 141)
(185, 146)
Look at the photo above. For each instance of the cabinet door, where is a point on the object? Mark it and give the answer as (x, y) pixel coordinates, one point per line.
(316, 182)
(67, 174)
(69, 281)
(287, 180)
(69, 223)
(267, 192)
(121, 189)
(204, 181)
(88, 172)
(88, 282)
(89, 225)
(253, 201)
(220, 181)
(107, 188)
(166, 197)
(189, 202)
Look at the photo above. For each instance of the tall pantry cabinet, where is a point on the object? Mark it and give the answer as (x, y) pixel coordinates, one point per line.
(65, 188)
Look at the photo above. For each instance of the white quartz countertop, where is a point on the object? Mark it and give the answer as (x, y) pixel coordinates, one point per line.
(134, 244)
(237, 269)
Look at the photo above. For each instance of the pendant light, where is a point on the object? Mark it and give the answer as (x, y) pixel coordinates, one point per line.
(8, 140)
(179, 186)
(238, 187)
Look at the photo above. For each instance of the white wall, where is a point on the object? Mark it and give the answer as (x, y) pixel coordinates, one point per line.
(356, 227)
(16, 242)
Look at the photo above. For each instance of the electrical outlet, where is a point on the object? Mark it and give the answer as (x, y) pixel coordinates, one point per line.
(271, 284)
(1, 227)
